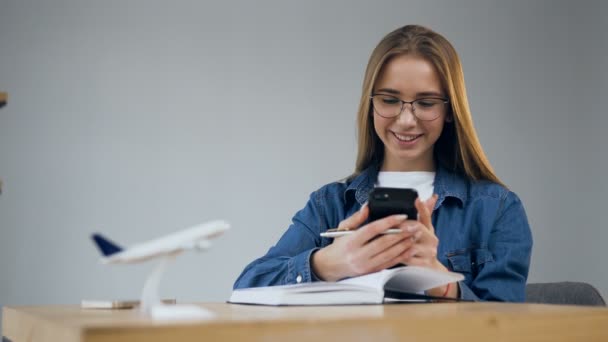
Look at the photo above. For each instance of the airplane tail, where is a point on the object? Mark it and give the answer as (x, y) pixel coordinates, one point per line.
(105, 246)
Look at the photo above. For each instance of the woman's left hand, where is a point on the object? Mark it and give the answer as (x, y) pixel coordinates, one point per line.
(424, 250)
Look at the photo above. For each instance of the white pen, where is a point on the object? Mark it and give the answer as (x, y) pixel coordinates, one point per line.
(334, 232)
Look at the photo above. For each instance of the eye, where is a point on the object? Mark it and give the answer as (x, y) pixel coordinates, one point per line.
(389, 100)
(427, 103)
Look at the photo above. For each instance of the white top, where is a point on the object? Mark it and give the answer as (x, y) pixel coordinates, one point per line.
(421, 181)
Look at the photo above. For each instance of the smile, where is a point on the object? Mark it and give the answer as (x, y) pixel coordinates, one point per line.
(406, 138)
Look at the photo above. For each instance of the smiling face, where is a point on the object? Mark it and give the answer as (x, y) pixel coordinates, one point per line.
(409, 141)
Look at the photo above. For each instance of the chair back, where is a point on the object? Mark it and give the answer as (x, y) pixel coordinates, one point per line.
(565, 293)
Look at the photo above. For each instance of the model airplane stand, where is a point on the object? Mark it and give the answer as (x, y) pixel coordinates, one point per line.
(165, 248)
(152, 306)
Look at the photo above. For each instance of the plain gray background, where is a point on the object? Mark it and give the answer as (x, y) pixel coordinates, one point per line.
(140, 118)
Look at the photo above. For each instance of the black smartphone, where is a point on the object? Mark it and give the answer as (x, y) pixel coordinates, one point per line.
(392, 201)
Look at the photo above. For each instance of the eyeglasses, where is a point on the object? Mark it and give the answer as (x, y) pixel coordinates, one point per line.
(426, 109)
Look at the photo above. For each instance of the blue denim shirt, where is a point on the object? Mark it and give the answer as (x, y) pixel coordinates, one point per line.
(482, 229)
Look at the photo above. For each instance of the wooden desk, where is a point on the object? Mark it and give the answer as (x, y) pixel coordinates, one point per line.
(397, 322)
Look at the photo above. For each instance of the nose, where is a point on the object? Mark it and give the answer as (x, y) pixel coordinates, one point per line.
(407, 114)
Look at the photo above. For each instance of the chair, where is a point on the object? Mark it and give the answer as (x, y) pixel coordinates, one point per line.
(565, 293)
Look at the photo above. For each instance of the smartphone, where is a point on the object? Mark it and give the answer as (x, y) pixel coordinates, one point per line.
(385, 202)
(392, 201)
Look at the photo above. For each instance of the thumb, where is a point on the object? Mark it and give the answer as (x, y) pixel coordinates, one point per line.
(424, 214)
(430, 203)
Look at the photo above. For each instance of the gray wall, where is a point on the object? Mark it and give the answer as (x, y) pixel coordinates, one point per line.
(138, 118)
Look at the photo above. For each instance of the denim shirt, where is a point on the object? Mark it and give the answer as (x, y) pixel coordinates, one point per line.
(482, 229)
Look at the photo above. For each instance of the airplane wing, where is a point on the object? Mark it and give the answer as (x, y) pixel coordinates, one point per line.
(195, 237)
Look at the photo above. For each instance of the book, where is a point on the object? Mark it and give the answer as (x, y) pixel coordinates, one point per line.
(373, 288)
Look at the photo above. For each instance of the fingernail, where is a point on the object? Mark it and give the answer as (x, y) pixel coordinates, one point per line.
(402, 217)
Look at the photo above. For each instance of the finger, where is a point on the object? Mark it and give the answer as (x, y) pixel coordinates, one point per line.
(361, 259)
(430, 203)
(421, 234)
(411, 226)
(424, 215)
(355, 220)
(371, 230)
(419, 252)
(430, 206)
(382, 243)
(418, 236)
(394, 261)
(391, 256)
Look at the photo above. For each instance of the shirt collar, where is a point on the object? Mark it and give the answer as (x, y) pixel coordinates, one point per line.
(449, 184)
(362, 184)
(446, 184)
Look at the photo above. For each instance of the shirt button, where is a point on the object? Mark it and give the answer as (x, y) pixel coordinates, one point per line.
(299, 278)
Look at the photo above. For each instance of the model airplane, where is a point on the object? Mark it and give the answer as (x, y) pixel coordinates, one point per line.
(196, 237)
(166, 248)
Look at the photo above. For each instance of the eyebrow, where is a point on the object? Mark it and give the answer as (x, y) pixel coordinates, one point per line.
(397, 92)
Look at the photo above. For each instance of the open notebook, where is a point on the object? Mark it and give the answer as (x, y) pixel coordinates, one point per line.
(372, 288)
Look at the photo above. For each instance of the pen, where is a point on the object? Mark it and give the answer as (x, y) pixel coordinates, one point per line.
(334, 232)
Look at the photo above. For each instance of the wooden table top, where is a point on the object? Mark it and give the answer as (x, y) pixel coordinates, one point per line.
(421, 322)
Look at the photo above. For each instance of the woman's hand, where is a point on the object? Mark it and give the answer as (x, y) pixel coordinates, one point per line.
(424, 251)
(366, 250)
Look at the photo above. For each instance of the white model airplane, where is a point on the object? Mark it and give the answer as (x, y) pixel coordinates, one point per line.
(196, 237)
(166, 248)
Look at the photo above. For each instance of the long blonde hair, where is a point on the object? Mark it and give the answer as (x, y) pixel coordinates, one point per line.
(458, 148)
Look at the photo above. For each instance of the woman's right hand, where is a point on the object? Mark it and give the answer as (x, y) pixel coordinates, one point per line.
(366, 250)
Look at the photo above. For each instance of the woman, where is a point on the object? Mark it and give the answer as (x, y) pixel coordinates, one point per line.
(415, 131)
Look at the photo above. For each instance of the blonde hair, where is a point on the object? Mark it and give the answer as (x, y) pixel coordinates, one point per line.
(458, 148)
